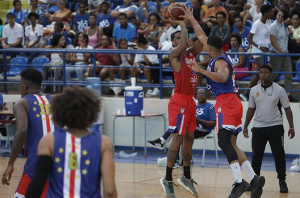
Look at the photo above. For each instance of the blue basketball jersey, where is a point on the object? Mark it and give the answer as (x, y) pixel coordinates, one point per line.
(218, 88)
(81, 22)
(39, 125)
(244, 35)
(236, 59)
(76, 166)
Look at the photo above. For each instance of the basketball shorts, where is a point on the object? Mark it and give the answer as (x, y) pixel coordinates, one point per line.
(23, 185)
(229, 113)
(182, 113)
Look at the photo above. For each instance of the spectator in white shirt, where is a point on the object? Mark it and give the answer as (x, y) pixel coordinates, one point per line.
(166, 35)
(33, 34)
(12, 34)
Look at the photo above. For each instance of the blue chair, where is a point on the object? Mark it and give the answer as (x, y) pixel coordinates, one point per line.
(297, 77)
(17, 64)
(38, 63)
(164, 4)
(189, 4)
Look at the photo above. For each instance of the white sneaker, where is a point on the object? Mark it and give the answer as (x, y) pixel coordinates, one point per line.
(149, 92)
(155, 92)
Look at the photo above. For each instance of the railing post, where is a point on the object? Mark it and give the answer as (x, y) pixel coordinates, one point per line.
(5, 71)
(160, 76)
(64, 68)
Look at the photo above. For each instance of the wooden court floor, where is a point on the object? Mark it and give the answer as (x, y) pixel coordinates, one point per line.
(142, 181)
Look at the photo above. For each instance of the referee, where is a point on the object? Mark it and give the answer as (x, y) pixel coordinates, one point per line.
(266, 100)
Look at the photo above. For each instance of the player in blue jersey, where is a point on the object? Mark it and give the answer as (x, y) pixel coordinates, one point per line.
(229, 110)
(33, 122)
(75, 160)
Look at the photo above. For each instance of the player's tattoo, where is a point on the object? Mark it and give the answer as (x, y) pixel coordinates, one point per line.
(187, 157)
(172, 155)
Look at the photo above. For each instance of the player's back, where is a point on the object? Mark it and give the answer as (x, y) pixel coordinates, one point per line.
(39, 124)
(76, 166)
(186, 79)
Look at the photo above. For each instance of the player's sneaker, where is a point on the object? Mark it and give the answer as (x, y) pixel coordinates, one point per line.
(188, 184)
(238, 189)
(283, 187)
(248, 186)
(156, 144)
(168, 187)
(256, 186)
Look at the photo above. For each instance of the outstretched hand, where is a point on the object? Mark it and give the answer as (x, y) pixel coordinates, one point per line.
(188, 13)
(177, 22)
(193, 65)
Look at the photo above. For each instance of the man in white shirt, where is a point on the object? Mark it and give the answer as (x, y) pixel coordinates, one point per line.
(166, 35)
(13, 34)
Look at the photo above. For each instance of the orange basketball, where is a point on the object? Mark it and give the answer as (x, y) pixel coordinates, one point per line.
(175, 10)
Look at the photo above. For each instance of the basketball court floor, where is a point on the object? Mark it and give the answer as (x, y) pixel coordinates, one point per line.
(138, 177)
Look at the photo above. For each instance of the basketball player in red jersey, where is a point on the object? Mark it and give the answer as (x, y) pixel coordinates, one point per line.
(181, 110)
(33, 122)
(229, 110)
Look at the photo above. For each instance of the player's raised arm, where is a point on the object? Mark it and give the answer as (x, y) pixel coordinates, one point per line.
(197, 29)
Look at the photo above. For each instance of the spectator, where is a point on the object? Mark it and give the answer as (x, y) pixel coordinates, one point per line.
(18, 12)
(198, 13)
(123, 30)
(147, 60)
(94, 6)
(241, 62)
(155, 31)
(103, 59)
(248, 5)
(34, 8)
(221, 30)
(295, 27)
(242, 30)
(59, 29)
(166, 35)
(128, 8)
(234, 7)
(33, 33)
(63, 14)
(105, 20)
(144, 10)
(165, 15)
(268, 123)
(1, 29)
(95, 33)
(279, 36)
(259, 38)
(53, 7)
(143, 30)
(254, 13)
(81, 60)
(12, 34)
(116, 3)
(81, 20)
(56, 59)
(210, 16)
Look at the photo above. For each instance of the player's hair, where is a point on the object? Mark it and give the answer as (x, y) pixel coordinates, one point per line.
(75, 108)
(239, 17)
(156, 16)
(173, 34)
(215, 42)
(15, 2)
(33, 76)
(55, 39)
(33, 14)
(237, 36)
(142, 40)
(123, 14)
(222, 13)
(266, 67)
(265, 8)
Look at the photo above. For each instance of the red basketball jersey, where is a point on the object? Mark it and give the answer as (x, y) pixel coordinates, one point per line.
(186, 79)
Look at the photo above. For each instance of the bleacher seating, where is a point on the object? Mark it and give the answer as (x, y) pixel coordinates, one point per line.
(17, 64)
(38, 62)
(297, 77)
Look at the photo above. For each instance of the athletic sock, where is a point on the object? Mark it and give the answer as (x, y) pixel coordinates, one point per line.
(187, 172)
(162, 140)
(249, 170)
(235, 167)
(169, 174)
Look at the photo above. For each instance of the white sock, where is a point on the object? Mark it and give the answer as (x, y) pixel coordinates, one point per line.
(162, 140)
(249, 170)
(235, 167)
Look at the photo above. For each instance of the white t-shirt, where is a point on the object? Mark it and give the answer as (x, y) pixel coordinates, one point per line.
(33, 35)
(80, 55)
(153, 58)
(95, 3)
(253, 12)
(261, 32)
(12, 34)
(168, 46)
(166, 35)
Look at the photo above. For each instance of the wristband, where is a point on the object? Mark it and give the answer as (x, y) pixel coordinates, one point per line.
(144, 8)
(291, 128)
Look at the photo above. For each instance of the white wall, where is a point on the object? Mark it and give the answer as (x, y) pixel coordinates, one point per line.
(155, 125)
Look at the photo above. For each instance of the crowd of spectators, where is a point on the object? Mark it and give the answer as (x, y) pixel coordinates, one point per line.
(257, 26)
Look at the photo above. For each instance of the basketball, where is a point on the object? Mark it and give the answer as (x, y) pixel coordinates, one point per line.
(175, 10)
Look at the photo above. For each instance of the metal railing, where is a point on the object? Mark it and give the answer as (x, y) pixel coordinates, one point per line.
(93, 65)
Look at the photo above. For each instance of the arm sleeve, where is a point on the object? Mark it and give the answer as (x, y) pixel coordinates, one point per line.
(42, 169)
(254, 27)
(284, 98)
(251, 103)
(40, 31)
(273, 30)
(20, 32)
